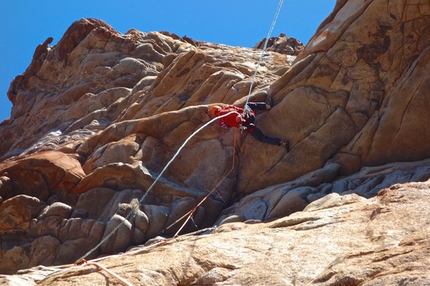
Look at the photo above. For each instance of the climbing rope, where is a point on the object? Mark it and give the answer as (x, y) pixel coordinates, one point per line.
(189, 214)
(246, 108)
(113, 274)
(152, 185)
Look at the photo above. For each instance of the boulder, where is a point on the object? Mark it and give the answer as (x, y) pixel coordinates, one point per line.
(120, 239)
(282, 44)
(58, 209)
(43, 174)
(16, 212)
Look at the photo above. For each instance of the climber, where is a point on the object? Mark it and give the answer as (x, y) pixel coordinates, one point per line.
(245, 121)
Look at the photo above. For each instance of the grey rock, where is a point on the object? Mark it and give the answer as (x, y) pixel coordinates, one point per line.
(120, 239)
(59, 209)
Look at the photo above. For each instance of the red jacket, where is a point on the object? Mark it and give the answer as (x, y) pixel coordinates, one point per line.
(233, 119)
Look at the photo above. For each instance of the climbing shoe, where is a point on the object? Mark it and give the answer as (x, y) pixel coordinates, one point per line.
(285, 144)
(269, 102)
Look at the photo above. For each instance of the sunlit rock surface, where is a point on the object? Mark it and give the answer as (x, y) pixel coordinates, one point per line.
(97, 116)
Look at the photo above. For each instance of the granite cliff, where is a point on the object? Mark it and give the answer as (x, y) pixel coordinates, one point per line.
(97, 117)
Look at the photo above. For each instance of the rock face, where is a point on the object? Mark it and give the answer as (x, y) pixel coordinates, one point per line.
(97, 118)
(282, 44)
(337, 240)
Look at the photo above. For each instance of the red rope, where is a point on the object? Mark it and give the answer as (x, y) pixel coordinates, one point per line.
(192, 211)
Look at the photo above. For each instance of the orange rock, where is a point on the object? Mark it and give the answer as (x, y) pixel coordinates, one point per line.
(16, 212)
(43, 174)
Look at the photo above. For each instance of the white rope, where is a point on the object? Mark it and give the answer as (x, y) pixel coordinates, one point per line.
(153, 184)
(246, 108)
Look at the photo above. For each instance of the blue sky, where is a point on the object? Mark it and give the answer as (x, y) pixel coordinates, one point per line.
(27, 23)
